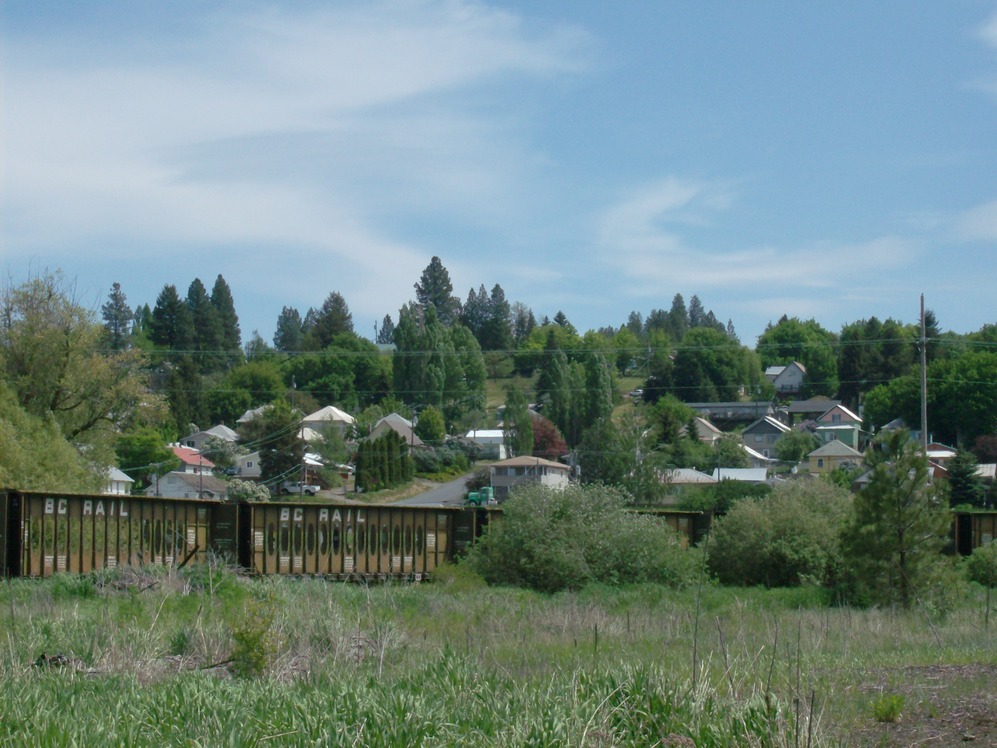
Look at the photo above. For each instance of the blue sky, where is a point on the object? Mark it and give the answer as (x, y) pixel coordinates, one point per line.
(827, 160)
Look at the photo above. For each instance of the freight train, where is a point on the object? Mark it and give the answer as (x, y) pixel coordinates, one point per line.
(42, 534)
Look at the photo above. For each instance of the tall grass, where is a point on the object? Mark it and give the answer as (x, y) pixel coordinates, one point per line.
(154, 658)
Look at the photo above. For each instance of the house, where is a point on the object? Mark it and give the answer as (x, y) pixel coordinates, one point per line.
(744, 475)
(940, 454)
(834, 454)
(192, 461)
(251, 414)
(729, 413)
(788, 379)
(517, 471)
(247, 467)
(398, 424)
(757, 459)
(490, 441)
(706, 432)
(838, 423)
(763, 434)
(118, 483)
(810, 409)
(330, 417)
(183, 485)
(221, 431)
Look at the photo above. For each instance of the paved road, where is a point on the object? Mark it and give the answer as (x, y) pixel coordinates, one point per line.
(451, 493)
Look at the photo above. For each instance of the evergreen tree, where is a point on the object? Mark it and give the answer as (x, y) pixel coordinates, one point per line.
(228, 320)
(117, 317)
(207, 330)
(386, 334)
(171, 326)
(289, 334)
(517, 424)
(898, 526)
(435, 290)
(523, 322)
(281, 449)
(635, 324)
(697, 315)
(496, 333)
(332, 319)
(965, 485)
(475, 312)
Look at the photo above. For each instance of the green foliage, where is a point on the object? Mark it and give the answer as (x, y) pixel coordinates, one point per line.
(35, 456)
(517, 423)
(723, 495)
(383, 462)
(981, 565)
(709, 366)
(786, 538)
(965, 486)
(142, 453)
(52, 359)
(430, 426)
(794, 445)
(553, 540)
(257, 639)
(276, 431)
(897, 529)
(805, 342)
(888, 707)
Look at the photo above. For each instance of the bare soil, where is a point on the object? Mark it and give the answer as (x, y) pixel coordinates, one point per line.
(944, 705)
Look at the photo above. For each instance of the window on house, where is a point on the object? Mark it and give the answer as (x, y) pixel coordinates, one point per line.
(820, 462)
(758, 437)
(249, 463)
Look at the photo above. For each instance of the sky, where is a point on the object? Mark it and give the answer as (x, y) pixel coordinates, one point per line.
(824, 160)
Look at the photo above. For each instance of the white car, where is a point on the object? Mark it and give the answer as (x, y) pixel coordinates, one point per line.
(299, 487)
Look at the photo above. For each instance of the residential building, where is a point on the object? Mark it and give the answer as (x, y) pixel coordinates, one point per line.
(400, 425)
(788, 379)
(490, 441)
(838, 423)
(834, 454)
(517, 471)
(330, 417)
(118, 483)
(221, 431)
(183, 485)
(762, 435)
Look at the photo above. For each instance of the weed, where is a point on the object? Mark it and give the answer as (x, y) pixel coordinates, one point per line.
(888, 707)
(256, 636)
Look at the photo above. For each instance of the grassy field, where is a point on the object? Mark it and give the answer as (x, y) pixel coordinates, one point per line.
(199, 658)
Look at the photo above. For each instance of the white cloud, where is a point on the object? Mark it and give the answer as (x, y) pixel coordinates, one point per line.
(362, 107)
(979, 223)
(648, 237)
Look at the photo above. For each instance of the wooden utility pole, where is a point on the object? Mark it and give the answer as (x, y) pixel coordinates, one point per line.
(924, 382)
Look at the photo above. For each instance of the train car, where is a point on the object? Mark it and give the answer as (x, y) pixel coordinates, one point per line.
(973, 529)
(350, 541)
(691, 525)
(47, 533)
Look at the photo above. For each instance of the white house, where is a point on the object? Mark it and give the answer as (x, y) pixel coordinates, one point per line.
(491, 442)
(118, 483)
(329, 417)
(787, 380)
(221, 431)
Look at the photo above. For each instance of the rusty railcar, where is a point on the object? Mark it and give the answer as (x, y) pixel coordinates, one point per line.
(973, 529)
(48, 533)
(349, 541)
(691, 525)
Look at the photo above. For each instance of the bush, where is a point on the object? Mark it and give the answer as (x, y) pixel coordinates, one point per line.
(786, 538)
(552, 540)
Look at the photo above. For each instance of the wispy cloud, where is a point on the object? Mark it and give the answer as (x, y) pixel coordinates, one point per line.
(301, 129)
(979, 223)
(651, 236)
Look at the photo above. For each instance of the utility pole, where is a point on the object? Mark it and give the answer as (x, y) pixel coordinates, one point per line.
(924, 383)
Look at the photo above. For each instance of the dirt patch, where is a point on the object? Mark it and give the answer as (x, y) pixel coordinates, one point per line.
(944, 705)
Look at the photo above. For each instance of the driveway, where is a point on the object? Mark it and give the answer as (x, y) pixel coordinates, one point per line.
(447, 494)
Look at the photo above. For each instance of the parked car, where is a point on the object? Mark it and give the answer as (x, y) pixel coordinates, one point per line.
(299, 487)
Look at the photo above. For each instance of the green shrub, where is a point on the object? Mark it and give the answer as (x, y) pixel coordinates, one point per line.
(551, 540)
(257, 639)
(888, 707)
(786, 538)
